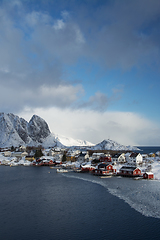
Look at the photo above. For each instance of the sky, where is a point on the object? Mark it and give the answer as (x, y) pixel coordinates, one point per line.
(89, 68)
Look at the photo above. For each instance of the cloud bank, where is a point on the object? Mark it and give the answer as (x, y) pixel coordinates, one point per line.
(124, 127)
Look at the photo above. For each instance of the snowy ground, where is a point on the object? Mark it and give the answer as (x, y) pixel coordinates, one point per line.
(12, 161)
(156, 169)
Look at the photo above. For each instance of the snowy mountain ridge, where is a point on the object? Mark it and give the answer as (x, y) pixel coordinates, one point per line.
(15, 131)
(68, 141)
(112, 145)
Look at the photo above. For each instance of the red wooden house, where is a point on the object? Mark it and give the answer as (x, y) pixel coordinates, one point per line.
(51, 163)
(148, 175)
(104, 169)
(105, 159)
(130, 171)
(105, 166)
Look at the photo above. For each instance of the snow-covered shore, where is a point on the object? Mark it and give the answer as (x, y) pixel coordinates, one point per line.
(156, 169)
(151, 164)
(13, 161)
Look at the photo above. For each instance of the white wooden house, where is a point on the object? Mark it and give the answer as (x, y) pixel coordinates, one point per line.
(119, 158)
(22, 148)
(136, 158)
(81, 157)
(87, 157)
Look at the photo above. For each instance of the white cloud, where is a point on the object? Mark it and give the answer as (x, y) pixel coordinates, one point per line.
(65, 14)
(35, 19)
(33, 53)
(59, 24)
(124, 127)
(15, 99)
(62, 95)
(58, 39)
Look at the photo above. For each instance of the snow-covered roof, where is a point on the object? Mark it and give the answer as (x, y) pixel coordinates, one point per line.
(97, 154)
(129, 168)
(148, 173)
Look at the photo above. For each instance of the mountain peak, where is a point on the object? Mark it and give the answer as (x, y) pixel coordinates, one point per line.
(15, 131)
(38, 128)
(112, 145)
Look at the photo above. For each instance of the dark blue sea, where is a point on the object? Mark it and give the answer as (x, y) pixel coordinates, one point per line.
(149, 149)
(36, 203)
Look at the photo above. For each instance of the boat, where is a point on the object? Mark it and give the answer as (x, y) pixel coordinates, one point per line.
(77, 170)
(109, 176)
(61, 170)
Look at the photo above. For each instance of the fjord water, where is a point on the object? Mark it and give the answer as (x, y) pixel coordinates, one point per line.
(38, 203)
(149, 149)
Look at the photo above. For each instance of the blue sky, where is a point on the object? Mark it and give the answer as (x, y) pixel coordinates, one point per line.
(90, 68)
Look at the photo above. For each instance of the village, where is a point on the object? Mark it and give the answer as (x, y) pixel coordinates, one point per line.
(103, 163)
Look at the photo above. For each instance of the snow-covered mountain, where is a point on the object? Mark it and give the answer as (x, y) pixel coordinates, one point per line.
(112, 145)
(68, 141)
(15, 131)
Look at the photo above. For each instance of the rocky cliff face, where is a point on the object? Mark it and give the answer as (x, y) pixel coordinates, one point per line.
(15, 131)
(38, 129)
(8, 134)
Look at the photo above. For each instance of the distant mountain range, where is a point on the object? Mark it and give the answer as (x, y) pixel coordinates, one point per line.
(15, 131)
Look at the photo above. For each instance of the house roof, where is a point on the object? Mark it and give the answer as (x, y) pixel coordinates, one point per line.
(103, 164)
(116, 155)
(148, 173)
(134, 155)
(128, 168)
(97, 154)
